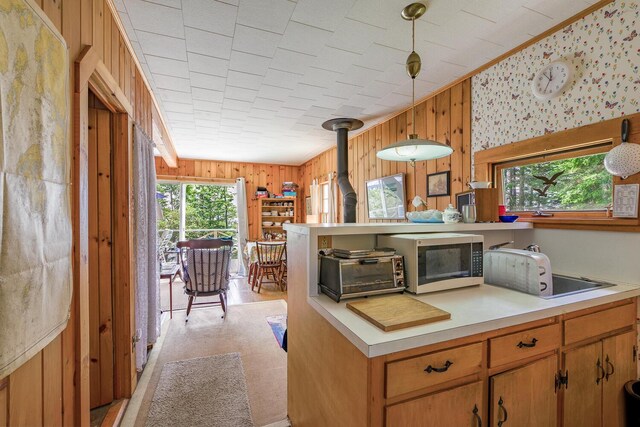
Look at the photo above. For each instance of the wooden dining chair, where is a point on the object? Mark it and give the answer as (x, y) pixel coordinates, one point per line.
(269, 265)
(205, 265)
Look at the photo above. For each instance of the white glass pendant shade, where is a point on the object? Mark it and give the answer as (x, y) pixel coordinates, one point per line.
(415, 149)
(623, 160)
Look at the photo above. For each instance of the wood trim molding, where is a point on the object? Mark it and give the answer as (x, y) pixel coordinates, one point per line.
(169, 152)
(531, 41)
(196, 179)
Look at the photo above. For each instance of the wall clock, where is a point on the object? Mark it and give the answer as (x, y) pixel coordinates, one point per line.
(550, 81)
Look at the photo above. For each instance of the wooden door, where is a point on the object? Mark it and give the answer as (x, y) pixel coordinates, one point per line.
(582, 398)
(620, 367)
(457, 407)
(101, 372)
(525, 397)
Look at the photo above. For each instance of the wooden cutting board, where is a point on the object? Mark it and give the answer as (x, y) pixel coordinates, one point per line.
(394, 312)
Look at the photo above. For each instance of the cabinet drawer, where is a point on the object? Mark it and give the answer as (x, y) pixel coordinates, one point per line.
(520, 345)
(430, 369)
(592, 325)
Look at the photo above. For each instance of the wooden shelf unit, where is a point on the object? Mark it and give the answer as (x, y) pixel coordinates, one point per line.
(280, 205)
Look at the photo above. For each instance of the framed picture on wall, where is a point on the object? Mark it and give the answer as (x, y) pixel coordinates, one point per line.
(307, 205)
(438, 184)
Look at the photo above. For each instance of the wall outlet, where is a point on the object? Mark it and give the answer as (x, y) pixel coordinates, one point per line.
(324, 242)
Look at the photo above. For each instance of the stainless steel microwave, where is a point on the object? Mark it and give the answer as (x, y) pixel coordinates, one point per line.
(349, 278)
(438, 261)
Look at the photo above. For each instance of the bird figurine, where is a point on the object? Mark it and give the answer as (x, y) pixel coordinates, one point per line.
(549, 181)
(543, 192)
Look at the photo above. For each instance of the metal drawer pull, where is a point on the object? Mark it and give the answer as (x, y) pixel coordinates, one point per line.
(609, 364)
(529, 345)
(430, 368)
(475, 414)
(506, 415)
(601, 371)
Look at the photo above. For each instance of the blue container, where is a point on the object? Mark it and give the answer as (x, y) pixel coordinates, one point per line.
(508, 218)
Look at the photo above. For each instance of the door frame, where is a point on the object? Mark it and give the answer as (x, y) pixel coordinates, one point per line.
(91, 73)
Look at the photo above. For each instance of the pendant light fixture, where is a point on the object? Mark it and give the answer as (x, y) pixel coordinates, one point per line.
(623, 160)
(414, 149)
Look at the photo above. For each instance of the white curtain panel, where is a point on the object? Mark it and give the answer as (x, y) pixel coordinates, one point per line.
(315, 192)
(332, 215)
(243, 223)
(147, 277)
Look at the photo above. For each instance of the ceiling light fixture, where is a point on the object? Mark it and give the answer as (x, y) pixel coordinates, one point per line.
(414, 148)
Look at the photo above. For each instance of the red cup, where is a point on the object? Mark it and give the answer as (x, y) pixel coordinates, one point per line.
(502, 210)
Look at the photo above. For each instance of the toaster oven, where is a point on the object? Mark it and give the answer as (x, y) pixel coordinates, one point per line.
(349, 278)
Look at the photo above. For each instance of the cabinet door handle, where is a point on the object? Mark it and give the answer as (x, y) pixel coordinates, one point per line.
(475, 414)
(528, 345)
(430, 368)
(506, 415)
(477, 417)
(601, 373)
(609, 365)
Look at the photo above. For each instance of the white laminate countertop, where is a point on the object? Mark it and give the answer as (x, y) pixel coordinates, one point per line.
(473, 310)
(399, 227)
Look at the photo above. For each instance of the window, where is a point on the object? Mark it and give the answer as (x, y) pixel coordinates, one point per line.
(572, 181)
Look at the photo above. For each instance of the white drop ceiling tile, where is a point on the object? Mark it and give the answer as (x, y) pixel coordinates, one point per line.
(207, 81)
(234, 115)
(323, 14)
(555, 9)
(210, 15)
(290, 113)
(270, 15)
(174, 96)
(166, 66)
(128, 27)
(256, 41)
(320, 77)
(360, 76)
(303, 90)
(204, 105)
(395, 100)
(304, 38)
(164, 46)
(249, 63)
(343, 89)
(233, 104)
(182, 117)
(379, 57)
(349, 111)
(267, 104)
(208, 64)
(497, 10)
(355, 36)
(281, 78)
(177, 107)
(206, 95)
(293, 62)
(240, 93)
(362, 101)
(298, 103)
(378, 13)
(155, 18)
(275, 92)
(319, 112)
(422, 87)
(206, 115)
(379, 89)
(208, 43)
(330, 102)
(335, 59)
(182, 125)
(246, 80)
(261, 113)
(171, 82)
(137, 50)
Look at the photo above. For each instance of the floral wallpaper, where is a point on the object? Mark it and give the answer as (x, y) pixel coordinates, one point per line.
(604, 50)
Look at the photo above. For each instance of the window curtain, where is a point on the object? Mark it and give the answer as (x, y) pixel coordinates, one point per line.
(147, 275)
(243, 224)
(315, 197)
(332, 216)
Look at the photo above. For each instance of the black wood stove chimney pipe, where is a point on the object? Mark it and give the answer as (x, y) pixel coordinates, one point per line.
(350, 198)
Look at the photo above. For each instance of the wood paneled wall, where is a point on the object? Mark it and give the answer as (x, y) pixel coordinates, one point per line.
(446, 117)
(256, 174)
(44, 391)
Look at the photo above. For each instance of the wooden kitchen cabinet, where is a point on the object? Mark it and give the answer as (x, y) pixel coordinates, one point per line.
(459, 406)
(525, 396)
(597, 372)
